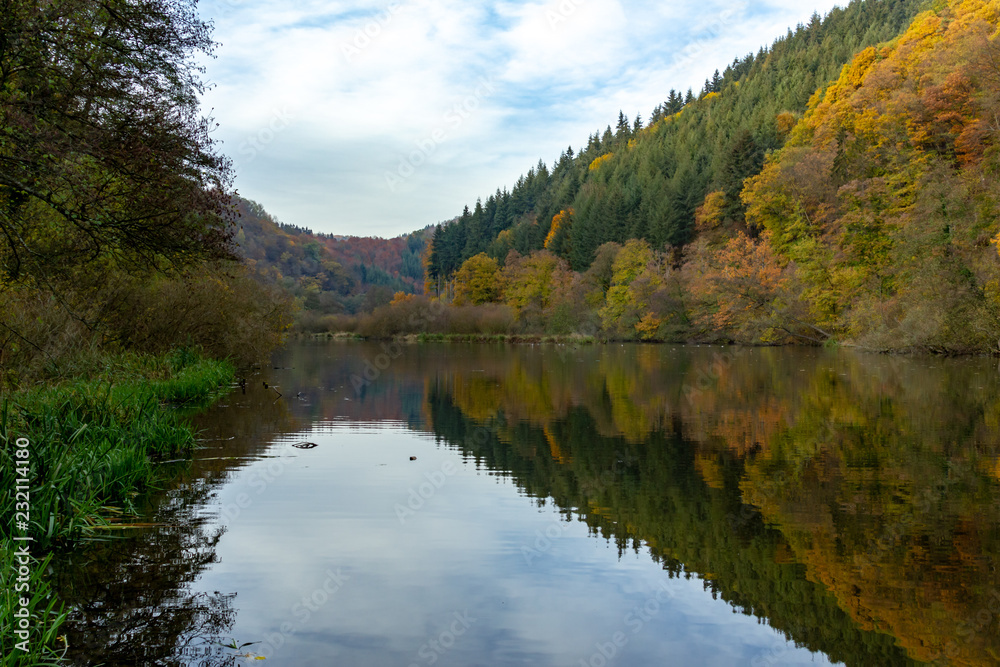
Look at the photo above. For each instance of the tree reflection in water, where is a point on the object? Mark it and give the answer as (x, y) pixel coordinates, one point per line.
(850, 501)
(131, 597)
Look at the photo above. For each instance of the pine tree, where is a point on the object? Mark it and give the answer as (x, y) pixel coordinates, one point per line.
(716, 86)
(622, 131)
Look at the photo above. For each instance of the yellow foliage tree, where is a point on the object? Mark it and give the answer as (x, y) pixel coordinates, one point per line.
(882, 195)
(634, 279)
(532, 281)
(558, 236)
(479, 280)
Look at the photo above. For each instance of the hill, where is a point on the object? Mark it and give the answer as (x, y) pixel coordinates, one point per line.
(330, 274)
(840, 185)
(647, 182)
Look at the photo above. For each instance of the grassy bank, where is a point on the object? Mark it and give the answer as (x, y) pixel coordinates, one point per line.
(95, 446)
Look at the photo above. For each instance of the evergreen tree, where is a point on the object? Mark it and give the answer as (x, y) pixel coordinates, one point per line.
(622, 131)
(653, 190)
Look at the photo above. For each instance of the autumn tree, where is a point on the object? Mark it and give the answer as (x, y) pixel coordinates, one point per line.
(633, 281)
(532, 282)
(557, 240)
(479, 280)
(751, 295)
(104, 155)
(885, 197)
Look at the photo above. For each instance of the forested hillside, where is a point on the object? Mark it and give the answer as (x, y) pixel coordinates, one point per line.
(839, 185)
(883, 208)
(330, 274)
(635, 182)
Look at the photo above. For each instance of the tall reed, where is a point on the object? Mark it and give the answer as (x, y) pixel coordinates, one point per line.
(95, 446)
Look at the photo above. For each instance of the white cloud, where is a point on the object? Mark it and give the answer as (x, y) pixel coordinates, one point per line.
(369, 84)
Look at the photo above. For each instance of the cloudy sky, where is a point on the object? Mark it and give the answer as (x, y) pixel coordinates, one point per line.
(378, 117)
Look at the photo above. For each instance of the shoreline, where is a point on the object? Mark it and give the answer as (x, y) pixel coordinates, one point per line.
(88, 449)
(577, 339)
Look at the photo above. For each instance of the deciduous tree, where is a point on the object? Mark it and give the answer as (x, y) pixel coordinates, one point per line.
(104, 155)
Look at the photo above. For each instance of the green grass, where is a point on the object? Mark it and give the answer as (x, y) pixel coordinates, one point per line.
(97, 442)
(95, 447)
(45, 611)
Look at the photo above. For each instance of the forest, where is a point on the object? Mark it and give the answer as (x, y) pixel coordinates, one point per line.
(839, 186)
(116, 217)
(328, 275)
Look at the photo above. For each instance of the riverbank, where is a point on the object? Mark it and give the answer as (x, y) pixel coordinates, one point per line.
(76, 457)
(533, 339)
(579, 339)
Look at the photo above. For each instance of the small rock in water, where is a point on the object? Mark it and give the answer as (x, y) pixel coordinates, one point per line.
(413, 458)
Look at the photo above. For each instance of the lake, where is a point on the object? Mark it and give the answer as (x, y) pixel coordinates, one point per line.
(441, 504)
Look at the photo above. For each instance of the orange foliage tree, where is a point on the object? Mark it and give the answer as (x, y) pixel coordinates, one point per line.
(885, 197)
(750, 293)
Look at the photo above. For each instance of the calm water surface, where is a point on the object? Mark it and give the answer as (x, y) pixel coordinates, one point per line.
(620, 505)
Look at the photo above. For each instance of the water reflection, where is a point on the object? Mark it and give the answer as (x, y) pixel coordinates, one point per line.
(131, 597)
(848, 501)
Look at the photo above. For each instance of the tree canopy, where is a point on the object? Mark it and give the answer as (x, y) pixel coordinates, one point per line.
(646, 181)
(104, 155)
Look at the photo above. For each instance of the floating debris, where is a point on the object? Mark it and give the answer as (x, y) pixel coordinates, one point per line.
(305, 445)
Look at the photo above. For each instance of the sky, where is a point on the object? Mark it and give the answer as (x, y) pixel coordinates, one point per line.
(380, 117)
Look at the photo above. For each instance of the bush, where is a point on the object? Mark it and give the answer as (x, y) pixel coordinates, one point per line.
(309, 322)
(221, 310)
(423, 315)
(39, 338)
